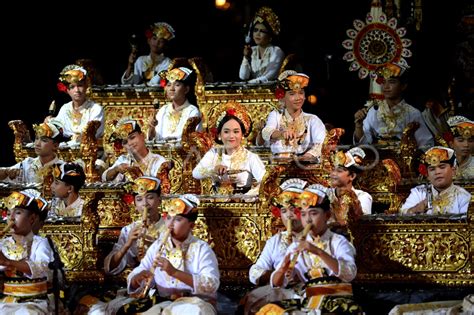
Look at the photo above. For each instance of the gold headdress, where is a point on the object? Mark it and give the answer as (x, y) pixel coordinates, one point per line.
(177, 74)
(70, 173)
(52, 129)
(291, 189)
(145, 184)
(186, 206)
(312, 196)
(266, 14)
(161, 30)
(26, 200)
(72, 74)
(461, 127)
(352, 157)
(124, 128)
(232, 109)
(291, 80)
(437, 155)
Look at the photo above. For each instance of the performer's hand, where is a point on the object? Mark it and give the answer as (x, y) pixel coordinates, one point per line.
(122, 168)
(307, 246)
(152, 122)
(12, 172)
(47, 119)
(420, 207)
(165, 265)
(360, 115)
(220, 169)
(247, 51)
(132, 57)
(133, 235)
(141, 277)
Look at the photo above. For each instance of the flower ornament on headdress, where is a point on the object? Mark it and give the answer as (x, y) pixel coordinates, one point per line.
(184, 205)
(311, 196)
(51, 129)
(26, 199)
(178, 74)
(266, 14)
(160, 30)
(124, 128)
(291, 189)
(145, 184)
(437, 155)
(290, 80)
(461, 127)
(233, 109)
(352, 157)
(69, 75)
(390, 70)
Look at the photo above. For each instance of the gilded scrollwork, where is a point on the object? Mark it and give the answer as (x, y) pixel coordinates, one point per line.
(70, 249)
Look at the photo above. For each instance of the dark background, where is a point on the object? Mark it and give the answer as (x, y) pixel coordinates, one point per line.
(36, 46)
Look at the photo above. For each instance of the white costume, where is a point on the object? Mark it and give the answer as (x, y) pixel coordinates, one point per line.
(271, 256)
(390, 123)
(309, 129)
(196, 258)
(40, 255)
(171, 121)
(242, 159)
(73, 210)
(149, 166)
(74, 124)
(130, 258)
(335, 245)
(32, 170)
(365, 199)
(142, 65)
(264, 68)
(453, 200)
(466, 169)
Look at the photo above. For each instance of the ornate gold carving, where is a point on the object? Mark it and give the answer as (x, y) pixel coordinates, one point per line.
(88, 150)
(408, 148)
(22, 136)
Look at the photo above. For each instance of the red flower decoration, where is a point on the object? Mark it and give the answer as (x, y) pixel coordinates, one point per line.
(422, 169)
(380, 80)
(162, 83)
(279, 93)
(213, 131)
(297, 212)
(118, 145)
(148, 34)
(4, 214)
(128, 199)
(61, 87)
(448, 136)
(231, 112)
(276, 211)
(163, 215)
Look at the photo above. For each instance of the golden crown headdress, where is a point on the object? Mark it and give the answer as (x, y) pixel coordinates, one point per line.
(266, 14)
(232, 109)
(145, 184)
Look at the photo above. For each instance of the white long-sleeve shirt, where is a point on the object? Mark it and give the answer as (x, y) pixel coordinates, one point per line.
(310, 132)
(150, 165)
(171, 121)
(195, 257)
(142, 64)
(74, 126)
(264, 68)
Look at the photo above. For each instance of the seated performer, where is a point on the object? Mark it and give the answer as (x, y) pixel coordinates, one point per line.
(293, 131)
(80, 110)
(179, 265)
(33, 170)
(231, 166)
(441, 196)
(133, 242)
(275, 248)
(24, 259)
(171, 118)
(147, 68)
(68, 180)
(388, 121)
(138, 158)
(262, 62)
(136, 237)
(322, 260)
(346, 167)
(461, 140)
